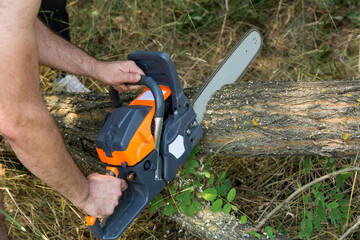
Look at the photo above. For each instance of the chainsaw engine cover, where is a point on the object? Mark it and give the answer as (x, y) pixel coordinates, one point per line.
(126, 136)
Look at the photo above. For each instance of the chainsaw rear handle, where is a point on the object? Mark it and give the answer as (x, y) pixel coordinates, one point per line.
(155, 90)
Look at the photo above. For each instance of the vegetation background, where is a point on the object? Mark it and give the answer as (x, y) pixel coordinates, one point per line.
(303, 40)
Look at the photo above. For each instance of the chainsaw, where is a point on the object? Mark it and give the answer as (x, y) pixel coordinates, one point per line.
(148, 140)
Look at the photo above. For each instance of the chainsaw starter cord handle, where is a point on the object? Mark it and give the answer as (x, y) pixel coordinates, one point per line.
(155, 90)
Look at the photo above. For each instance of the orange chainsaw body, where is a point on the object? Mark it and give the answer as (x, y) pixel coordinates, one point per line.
(142, 142)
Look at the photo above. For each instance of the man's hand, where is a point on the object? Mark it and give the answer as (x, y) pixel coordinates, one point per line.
(103, 196)
(58, 53)
(118, 73)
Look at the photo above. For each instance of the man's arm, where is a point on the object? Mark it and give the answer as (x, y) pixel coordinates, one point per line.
(27, 124)
(58, 53)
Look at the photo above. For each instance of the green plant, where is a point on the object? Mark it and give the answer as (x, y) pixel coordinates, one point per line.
(197, 182)
(331, 204)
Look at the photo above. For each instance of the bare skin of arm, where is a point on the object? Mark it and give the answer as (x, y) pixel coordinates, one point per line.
(27, 124)
(58, 53)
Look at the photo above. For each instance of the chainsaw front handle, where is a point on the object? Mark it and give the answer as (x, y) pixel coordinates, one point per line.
(155, 90)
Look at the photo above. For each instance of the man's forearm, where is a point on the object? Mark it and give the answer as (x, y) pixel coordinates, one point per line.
(56, 52)
(42, 150)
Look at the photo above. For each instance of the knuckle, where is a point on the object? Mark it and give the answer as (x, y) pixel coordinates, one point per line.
(110, 211)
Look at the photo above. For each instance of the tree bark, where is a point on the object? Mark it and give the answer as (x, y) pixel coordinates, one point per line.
(284, 118)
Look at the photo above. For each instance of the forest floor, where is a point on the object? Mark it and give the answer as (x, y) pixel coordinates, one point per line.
(302, 41)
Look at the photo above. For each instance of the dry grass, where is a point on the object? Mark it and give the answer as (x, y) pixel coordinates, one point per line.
(303, 41)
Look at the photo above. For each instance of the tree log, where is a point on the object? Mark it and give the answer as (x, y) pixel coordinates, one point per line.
(243, 119)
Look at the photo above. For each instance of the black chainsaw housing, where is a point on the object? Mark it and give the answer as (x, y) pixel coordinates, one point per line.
(180, 134)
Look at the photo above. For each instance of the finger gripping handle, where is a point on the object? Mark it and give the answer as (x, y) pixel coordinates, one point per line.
(93, 222)
(154, 88)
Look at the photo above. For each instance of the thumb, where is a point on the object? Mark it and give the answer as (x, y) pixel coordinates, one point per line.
(123, 185)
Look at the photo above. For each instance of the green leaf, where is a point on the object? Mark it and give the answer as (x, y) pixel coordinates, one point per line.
(231, 195)
(182, 207)
(197, 184)
(218, 189)
(211, 180)
(191, 157)
(221, 177)
(317, 223)
(341, 179)
(190, 210)
(321, 214)
(307, 163)
(170, 202)
(216, 206)
(209, 194)
(338, 196)
(233, 207)
(269, 232)
(333, 205)
(309, 229)
(308, 215)
(197, 206)
(207, 174)
(168, 210)
(180, 197)
(193, 164)
(227, 184)
(196, 149)
(306, 199)
(186, 198)
(316, 193)
(301, 235)
(255, 234)
(282, 230)
(343, 202)
(172, 189)
(303, 224)
(222, 190)
(227, 208)
(156, 203)
(243, 219)
(332, 192)
(335, 213)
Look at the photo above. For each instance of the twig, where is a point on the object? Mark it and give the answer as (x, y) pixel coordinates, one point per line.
(294, 194)
(352, 192)
(272, 201)
(350, 229)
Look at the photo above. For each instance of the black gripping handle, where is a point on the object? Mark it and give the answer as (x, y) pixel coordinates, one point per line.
(155, 90)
